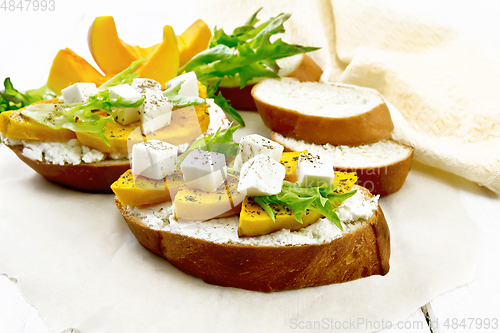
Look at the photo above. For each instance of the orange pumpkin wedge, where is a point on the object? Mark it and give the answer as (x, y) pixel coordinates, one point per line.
(254, 221)
(113, 55)
(163, 64)
(135, 190)
(193, 40)
(289, 161)
(198, 205)
(110, 53)
(14, 125)
(184, 127)
(69, 68)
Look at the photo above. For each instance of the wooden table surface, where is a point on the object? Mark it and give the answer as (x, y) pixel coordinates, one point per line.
(29, 43)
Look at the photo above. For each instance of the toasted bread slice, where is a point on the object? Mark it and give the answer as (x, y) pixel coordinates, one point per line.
(324, 113)
(381, 167)
(317, 255)
(87, 177)
(300, 66)
(99, 176)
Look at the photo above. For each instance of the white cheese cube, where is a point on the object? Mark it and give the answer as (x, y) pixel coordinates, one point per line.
(124, 91)
(189, 87)
(143, 85)
(261, 175)
(314, 170)
(255, 144)
(125, 116)
(156, 112)
(154, 159)
(204, 170)
(78, 92)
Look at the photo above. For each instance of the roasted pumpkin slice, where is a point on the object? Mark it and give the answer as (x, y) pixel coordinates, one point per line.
(184, 127)
(254, 221)
(344, 181)
(135, 190)
(163, 63)
(68, 68)
(289, 161)
(14, 125)
(198, 205)
(119, 136)
(193, 40)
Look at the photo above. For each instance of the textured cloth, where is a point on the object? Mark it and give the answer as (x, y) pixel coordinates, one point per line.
(443, 82)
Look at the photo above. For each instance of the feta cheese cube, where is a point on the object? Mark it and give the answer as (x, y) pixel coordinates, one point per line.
(143, 85)
(125, 116)
(204, 170)
(124, 91)
(314, 170)
(261, 175)
(189, 87)
(156, 112)
(255, 144)
(154, 159)
(78, 92)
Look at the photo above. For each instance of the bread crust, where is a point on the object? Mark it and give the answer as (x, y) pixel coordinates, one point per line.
(241, 99)
(361, 129)
(86, 177)
(359, 253)
(308, 70)
(381, 180)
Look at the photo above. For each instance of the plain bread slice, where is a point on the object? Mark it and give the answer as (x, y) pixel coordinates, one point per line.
(337, 114)
(87, 177)
(300, 66)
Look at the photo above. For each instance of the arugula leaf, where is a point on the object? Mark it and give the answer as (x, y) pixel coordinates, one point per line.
(180, 101)
(224, 105)
(12, 99)
(79, 117)
(221, 38)
(125, 76)
(216, 53)
(264, 203)
(219, 142)
(252, 21)
(245, 55)
(321, 199)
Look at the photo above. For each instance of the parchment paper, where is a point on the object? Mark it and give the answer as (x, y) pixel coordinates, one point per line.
(76, 261)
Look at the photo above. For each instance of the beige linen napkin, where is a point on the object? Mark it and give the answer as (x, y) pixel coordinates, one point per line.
(443, 81)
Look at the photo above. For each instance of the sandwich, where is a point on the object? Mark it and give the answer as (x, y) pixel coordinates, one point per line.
(248, 215)
(82, 139)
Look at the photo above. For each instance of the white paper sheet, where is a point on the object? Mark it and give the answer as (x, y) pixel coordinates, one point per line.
(77, 262)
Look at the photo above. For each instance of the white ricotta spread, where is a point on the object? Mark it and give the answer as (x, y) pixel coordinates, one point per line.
(377, 154)
(352, 212)
(71, 152)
